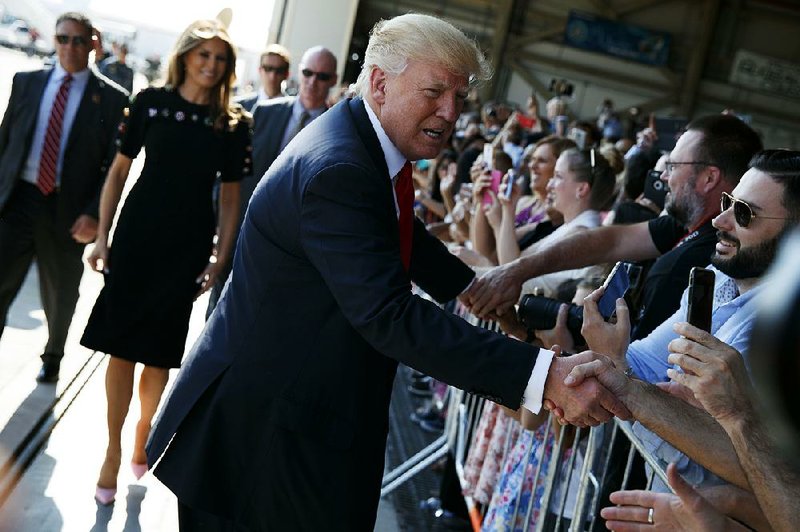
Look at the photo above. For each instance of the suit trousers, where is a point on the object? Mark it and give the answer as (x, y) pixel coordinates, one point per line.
(28, 230)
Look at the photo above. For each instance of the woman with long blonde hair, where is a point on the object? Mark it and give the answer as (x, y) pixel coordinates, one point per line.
(160, 258)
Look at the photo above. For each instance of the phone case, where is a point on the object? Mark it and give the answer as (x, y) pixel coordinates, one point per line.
(616, 285)
(497, 176)
(701, 298)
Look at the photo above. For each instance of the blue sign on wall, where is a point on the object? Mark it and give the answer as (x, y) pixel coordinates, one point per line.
(616, 38)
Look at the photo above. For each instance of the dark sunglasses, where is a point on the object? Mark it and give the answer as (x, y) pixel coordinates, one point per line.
(276, 69)
(322, 76)
(77, 40)
(742, 212)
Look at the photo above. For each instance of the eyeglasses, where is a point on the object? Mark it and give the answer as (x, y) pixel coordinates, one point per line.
(77, 40)
(669, 167)
(742, 212)
(322, 76)
(276, 69)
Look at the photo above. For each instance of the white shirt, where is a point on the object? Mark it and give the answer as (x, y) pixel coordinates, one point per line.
(532, 398)
(30, 171)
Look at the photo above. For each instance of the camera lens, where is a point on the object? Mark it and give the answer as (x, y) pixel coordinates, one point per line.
(541, 313)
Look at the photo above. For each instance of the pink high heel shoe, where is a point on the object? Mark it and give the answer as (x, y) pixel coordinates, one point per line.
(105, 496)
(138, 470)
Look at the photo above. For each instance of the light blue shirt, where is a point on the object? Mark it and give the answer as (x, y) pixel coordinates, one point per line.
(297, 112)
(731, 322)
(30, 171)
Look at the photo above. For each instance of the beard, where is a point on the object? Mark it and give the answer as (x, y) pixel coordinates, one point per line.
(748, 263)
(684, 204)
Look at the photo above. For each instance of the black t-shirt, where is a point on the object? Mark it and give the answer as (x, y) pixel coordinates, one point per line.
(669, 276)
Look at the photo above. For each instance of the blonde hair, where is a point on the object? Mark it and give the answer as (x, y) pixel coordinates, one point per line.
(413, 36)
(223, 113)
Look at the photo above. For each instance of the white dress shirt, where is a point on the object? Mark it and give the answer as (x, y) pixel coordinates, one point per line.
(30, 171)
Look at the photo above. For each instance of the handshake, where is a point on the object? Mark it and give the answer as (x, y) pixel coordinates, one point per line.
(586, 389)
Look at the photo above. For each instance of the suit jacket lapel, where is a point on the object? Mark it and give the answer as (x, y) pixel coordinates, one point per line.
(89, 106)
(282, 116)
(373, 146)
(368, 135)
(35, 94)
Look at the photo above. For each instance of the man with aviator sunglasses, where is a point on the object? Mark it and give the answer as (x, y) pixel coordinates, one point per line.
(708, 159)
(56, 141)
(754, 217)
(272, 71)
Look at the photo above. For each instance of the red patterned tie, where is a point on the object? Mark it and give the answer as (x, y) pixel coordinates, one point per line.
(404, 189)
(46, 181)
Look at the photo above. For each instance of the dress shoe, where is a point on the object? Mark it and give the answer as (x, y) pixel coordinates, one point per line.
(433, 425)
(105, 496)
(49, 371)
(424, 413)
(138, 470)
(421, 387)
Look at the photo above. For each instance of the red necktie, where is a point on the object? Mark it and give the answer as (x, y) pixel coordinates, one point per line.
(46, 182)
(404, 190)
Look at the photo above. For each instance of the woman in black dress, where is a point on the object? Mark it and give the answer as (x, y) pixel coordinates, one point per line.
(160, 257)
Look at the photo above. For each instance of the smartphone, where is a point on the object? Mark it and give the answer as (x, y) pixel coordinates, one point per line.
(701, 298)
(497, 177)
(512, 177)
(578, 136)
(488, 156)
(614, 287)
(561, 123)
(655, 189)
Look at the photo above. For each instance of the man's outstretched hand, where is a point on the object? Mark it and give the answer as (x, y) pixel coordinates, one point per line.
(589, 402)
(495, 292)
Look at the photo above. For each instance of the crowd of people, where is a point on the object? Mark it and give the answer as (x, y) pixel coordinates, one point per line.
(310, 222)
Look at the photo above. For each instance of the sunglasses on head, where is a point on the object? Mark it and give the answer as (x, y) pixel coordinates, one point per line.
(322, 76)
(276, 69)
(77, 40)
(742, 211)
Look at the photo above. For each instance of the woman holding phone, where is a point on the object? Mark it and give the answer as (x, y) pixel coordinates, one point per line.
(583, 182)
(159, 260)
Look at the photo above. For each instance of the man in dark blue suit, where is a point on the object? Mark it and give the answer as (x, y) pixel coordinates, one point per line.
(56, 141)
(260, 431)
(277, 121)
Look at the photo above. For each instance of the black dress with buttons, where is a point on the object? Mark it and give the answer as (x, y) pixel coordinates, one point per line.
(163, 238)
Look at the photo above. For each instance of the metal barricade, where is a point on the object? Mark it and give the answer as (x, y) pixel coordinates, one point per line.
(564, 480)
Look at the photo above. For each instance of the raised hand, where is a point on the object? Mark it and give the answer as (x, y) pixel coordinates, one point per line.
(713, 370)
(610, 339)
(495, 291)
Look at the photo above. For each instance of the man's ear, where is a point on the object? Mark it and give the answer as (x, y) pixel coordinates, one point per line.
(710, 179)
(377, 85)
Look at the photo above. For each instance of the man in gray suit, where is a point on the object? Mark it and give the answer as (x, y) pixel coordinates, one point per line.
(277, 121)
(56, 141)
